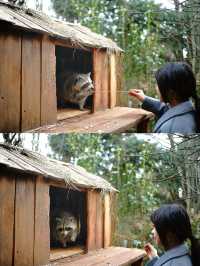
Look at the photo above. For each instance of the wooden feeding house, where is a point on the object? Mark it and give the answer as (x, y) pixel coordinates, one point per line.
(32, 188)
(35, 49)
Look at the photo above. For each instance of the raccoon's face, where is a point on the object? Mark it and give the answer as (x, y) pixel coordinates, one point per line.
(67, 228)
(83, 84)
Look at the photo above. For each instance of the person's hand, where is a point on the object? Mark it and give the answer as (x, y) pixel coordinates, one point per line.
(151, 251)
(139, 94)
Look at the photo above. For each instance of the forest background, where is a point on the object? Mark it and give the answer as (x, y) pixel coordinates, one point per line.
(147, 169)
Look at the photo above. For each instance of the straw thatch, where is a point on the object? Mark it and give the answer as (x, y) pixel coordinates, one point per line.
(35, 163)
(34, 21)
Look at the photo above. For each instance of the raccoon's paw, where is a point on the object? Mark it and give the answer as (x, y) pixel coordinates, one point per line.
(81, 106)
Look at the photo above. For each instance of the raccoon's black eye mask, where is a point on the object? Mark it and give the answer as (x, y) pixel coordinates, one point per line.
(68, 228)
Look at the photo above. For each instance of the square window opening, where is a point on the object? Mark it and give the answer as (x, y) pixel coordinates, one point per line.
(73, 82)
(68, 222)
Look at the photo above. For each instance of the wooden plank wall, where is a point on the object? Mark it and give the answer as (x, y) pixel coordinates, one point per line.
(105, 79)
(48, 83)
(31, 72)
(24, 221)
(27, 81)
(94, 220)
(107, 221)
(101, 80)
(42, 231)
(7, 198)
(10, 82)
(98, 220)
(113, 81)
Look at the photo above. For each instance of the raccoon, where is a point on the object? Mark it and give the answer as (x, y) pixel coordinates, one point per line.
(65, 228)
(74, 88)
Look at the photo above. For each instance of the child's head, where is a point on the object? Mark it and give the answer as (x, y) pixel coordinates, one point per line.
(177, 84)
(176, 81)
(172, 224)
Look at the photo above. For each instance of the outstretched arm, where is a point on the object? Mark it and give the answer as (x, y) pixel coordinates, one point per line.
(148, 103)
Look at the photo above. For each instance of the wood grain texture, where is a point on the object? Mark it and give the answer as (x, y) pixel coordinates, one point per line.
(48, 83)
(91, 220)
(42, 231)
(24, 221)
(105, 80)
(110, 256)
(99, 221)
(31, 74)
(10, 80)
(101, 79)
(107, 221)
(113, 82)
(97, 80)
(60, 253)
(116, 120)
(7, 198)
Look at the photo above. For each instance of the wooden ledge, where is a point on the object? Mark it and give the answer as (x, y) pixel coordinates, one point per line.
(60, 253)
(66, 113)
(112, 256)
(115, 120)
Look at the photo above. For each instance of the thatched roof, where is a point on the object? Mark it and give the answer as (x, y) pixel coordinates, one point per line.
(37, 164)
(34, 21)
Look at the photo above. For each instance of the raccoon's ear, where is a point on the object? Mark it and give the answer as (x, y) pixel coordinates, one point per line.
(89, 74)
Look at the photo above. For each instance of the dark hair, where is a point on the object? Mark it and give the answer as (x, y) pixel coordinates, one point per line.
(173, 220)
(177, 81)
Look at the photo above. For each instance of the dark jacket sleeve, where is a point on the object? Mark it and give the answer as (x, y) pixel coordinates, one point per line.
(155, 106)
(152, 261)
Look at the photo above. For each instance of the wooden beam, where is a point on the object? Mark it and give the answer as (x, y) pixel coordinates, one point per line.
(101, 79)
(91, 220)
(48, 83)
(24, 222)
(42, 231)
(113, 81)
(116, 120)
(110, 256)
(99, 221)
(7, 200)
(10, 82)
(107, 221)
(31, 83)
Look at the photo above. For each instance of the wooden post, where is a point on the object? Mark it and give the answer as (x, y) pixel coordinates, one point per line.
(95, 222)
(107, 221)
(42, 231)
(101, 80)
(10, 82)
(48, 83)
(91, 220)
(7, 199)
(113, 82)
(31, 71)
(24, 221)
